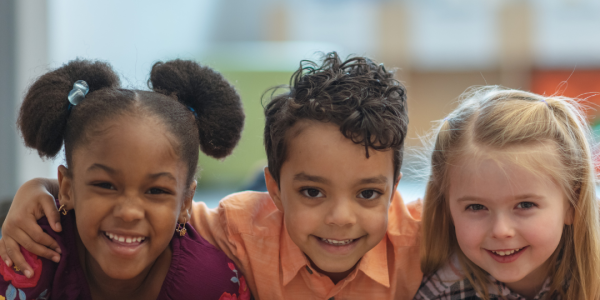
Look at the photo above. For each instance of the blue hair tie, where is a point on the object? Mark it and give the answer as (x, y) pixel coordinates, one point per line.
(77, 94)
(544, 100)
(193, 111)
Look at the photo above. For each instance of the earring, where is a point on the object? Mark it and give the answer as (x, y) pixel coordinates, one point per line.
(62, 209)
(181, 228)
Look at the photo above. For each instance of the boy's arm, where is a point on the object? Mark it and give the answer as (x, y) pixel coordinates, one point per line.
(33, 200)
(215, 227)
(212, 226)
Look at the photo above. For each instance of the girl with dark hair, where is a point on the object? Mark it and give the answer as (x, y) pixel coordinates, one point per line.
(125, 193)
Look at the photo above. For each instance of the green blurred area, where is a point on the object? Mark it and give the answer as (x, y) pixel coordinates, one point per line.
(249, 155)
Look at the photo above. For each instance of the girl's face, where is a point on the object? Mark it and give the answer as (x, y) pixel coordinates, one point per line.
(508, 221)
(128, 190)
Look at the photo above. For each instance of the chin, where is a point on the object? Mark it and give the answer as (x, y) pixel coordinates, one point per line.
(121, 272)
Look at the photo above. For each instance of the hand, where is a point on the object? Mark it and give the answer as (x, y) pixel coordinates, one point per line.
(33, 200)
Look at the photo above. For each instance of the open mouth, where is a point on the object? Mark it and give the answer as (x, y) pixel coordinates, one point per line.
(338, 246)
(337, 242)
(507, 255)
(123, 239)
(507, 252)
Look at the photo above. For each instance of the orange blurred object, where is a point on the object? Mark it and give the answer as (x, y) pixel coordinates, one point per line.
(571, 83)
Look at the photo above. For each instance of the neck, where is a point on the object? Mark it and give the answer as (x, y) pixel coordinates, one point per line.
(146, 285)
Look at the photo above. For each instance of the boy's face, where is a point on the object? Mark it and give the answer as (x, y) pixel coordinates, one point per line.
(335, 200)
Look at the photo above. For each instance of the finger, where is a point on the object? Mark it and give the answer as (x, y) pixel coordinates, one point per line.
(51, 212)
(4, 255)
(42, 245)
(35, 232)
(36, 242)
(13, 251)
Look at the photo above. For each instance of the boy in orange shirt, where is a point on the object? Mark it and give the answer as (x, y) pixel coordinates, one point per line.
(332, 225)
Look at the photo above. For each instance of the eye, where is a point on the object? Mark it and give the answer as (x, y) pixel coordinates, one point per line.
(476, 207)
(157, 191)
(369, 194)
(311, 193)
(526, 205)
(105, 185)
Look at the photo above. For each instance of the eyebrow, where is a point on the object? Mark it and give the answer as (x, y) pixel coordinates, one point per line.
(102, 167)
(113, 171)
(163, 174)
(379, 179)
(371, 180)
(519, 197)
(468, 198)
(305, 177)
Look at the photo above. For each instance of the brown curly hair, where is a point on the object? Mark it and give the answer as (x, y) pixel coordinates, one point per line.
(195, 104)
(358, 95)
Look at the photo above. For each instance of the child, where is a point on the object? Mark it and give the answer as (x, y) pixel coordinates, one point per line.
(510, 209)
(126, 191)
(334, 144)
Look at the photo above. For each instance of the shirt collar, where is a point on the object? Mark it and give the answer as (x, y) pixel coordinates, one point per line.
(374, 263)
(292, 258)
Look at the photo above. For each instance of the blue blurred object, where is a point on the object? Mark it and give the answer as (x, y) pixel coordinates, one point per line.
(257, 183)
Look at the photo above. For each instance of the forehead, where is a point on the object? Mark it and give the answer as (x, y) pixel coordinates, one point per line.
(129, 143)
(318, 148)
(519, 169)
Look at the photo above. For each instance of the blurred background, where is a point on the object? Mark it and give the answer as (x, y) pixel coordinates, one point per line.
(439, 47)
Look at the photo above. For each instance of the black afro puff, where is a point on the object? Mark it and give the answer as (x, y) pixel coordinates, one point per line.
(220, 116)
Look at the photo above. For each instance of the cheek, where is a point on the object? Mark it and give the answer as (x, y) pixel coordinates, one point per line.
(544, 231)
(470, 233)
(374, 220)
(301, 220)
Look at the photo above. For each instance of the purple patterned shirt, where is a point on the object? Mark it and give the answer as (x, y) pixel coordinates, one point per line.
(198, 271)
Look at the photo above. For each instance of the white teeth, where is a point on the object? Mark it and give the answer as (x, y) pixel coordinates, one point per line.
(336, 242)
(123, 239)
(508, 252)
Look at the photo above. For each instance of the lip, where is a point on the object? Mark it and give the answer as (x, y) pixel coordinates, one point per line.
(123, 248)
(507, 258)
(338, 249)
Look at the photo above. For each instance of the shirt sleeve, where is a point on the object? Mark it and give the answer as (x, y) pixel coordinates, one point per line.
(415, 209)
(212, 226)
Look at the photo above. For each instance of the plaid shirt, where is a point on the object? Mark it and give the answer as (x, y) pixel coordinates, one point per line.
(448, 284)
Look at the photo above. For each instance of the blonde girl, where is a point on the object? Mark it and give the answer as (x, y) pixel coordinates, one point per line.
(510, 210)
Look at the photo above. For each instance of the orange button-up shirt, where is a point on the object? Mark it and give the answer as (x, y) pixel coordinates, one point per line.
(249, 228)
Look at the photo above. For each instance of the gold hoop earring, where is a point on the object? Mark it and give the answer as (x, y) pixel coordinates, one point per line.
(181, 228)
(62, 209)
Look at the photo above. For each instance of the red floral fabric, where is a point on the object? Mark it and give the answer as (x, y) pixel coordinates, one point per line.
(17, 278)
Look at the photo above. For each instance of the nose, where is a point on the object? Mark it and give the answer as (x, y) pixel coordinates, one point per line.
(341, 213)
(502, 227)
(129, 208)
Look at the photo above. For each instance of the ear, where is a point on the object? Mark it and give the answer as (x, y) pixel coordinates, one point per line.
(186, 209)
(65, 193)
(273, 189)
(395, 186)
(397, 181)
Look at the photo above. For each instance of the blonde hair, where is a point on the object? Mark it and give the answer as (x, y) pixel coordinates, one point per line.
(497, 119)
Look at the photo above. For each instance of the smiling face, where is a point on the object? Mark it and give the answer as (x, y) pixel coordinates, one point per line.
(508, 220)
(128, 190)
(335, 200)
